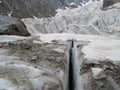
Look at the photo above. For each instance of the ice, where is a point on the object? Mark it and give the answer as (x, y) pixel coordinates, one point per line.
(103, 50)
(10, 14)
(8, 38)
(25, 69)
(98, 73)
(99, 47)
(28, 77)
(86, 23)
(86, 19)
(6, 84)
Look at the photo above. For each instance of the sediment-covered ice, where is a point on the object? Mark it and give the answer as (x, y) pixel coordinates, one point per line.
(8, 38)
(28, 65)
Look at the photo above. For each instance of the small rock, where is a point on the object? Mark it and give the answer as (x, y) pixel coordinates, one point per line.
(98, 73)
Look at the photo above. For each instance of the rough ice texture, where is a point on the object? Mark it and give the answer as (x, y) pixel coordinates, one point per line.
(100, 48)
(100, 55)
(88, 19)
(98, 73)
(28, 65)
(103, 50)
(39, 63)
(8, 38)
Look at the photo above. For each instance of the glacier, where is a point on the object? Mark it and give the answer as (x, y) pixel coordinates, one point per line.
(89, 19)
(81, 41)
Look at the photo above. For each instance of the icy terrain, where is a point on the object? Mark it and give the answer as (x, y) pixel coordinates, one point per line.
(87, 35)
(38, 8)
(87, 19)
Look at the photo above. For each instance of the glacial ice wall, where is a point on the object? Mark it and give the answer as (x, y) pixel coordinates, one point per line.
(86, 19)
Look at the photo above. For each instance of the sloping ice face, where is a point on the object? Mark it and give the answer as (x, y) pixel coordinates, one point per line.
(86, 19)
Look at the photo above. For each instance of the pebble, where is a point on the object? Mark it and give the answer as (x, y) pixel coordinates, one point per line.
(98, 73)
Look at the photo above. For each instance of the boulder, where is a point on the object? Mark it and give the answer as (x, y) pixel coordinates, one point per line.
(98, 73)
(107, 3)
(12, 26)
